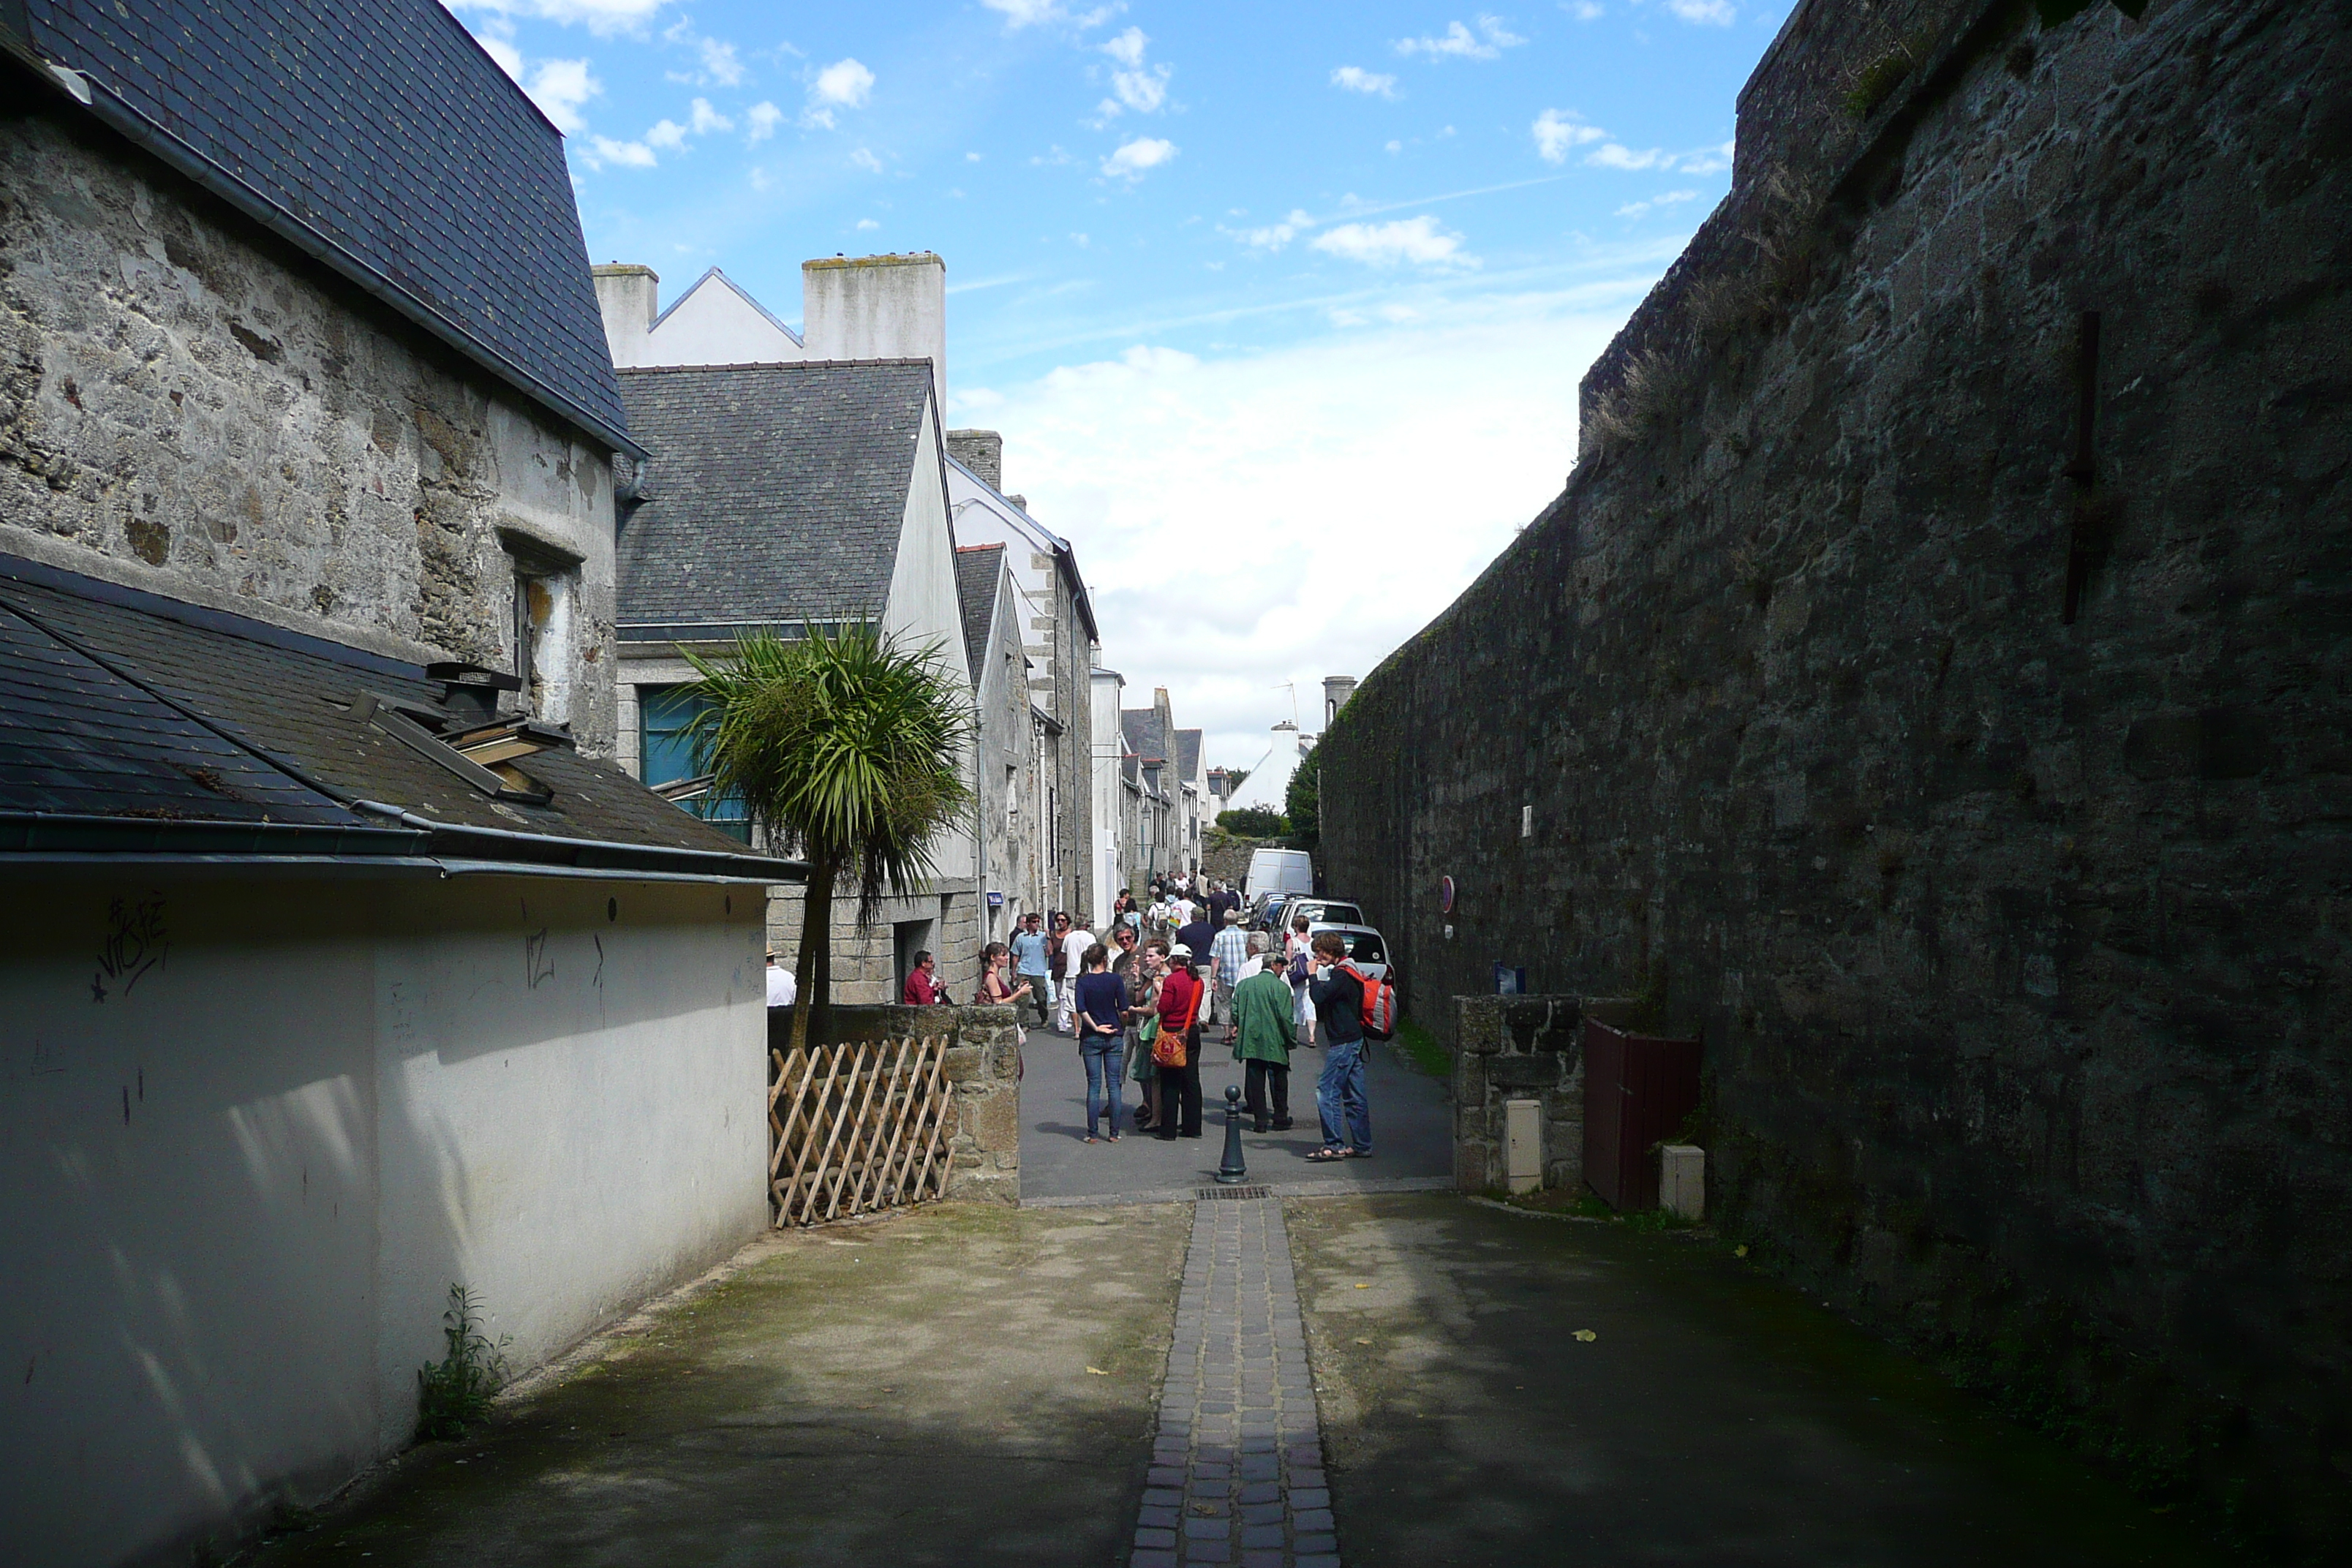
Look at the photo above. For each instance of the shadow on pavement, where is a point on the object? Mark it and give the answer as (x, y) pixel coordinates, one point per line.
(1714, 1418)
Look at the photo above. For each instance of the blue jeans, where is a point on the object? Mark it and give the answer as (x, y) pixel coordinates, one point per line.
(1340, 1100)
(1104, 1055)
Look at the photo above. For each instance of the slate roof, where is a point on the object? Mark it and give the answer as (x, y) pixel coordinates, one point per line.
(119, 703)
(980, 574)
(1140, 729)
(1188, 755)
(776, 493)
(380, 139)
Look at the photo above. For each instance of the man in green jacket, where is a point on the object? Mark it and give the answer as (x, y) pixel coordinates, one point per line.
(1262, 1007)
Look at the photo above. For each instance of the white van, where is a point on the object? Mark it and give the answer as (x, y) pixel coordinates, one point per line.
(1278, 871)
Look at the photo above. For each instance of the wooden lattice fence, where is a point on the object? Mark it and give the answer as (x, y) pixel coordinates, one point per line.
(858, 1126)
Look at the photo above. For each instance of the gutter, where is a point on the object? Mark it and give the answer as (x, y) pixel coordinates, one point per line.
(498, 849)
(417, 845)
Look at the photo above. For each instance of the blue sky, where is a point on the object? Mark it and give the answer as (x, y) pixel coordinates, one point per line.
(1281, 310)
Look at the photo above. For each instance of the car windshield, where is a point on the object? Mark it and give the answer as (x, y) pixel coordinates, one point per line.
(1334, 914)
(1364, 947)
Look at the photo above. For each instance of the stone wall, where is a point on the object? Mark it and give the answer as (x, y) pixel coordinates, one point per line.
(1517, 1047)
(188, 406)
(984, 1064)
(1979, 797)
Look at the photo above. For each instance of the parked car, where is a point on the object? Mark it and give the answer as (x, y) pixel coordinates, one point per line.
(1279, 871)
(1327, 912)
(1366, 950)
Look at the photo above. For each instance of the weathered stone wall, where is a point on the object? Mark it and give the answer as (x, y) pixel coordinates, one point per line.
(188, 406)
(984, 1064)
(1517, 1047)
(2017, 943)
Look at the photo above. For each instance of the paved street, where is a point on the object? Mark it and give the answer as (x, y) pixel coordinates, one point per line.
(1412, 1132)
(1367, 1378)
(956, 1385)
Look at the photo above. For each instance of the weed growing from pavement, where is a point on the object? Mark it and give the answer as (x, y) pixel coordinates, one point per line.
(1420, 1049)
(454, 1395)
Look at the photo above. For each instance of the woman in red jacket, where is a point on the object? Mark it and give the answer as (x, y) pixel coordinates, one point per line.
(1180, 1011)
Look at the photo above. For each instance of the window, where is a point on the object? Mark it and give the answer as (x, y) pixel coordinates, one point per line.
(542, 631)
(665, 756)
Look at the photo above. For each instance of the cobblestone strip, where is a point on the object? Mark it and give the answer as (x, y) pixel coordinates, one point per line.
(1237, 1462)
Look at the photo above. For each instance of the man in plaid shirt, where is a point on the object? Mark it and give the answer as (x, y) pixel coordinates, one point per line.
(1228, 953)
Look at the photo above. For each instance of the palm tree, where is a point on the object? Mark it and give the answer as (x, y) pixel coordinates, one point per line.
(850, 744)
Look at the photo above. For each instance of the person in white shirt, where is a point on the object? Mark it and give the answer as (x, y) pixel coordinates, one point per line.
(1074, 963)
(779, 984)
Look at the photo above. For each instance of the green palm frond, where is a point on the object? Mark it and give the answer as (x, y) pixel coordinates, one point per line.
(849, 743)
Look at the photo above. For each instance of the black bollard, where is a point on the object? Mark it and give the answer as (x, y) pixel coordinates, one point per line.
(1233, 1171)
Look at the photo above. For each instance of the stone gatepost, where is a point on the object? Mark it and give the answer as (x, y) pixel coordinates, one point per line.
(1517, 1047)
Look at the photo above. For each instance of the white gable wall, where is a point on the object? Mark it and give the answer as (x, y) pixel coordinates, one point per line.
(923, 607)
(715, 323)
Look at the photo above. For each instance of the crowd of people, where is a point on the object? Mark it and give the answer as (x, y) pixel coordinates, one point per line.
(1168, 974)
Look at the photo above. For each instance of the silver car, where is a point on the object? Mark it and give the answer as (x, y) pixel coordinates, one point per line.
(1320, 911)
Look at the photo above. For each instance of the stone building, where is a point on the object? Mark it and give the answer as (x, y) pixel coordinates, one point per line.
(781, 497)
(1174, 786)
(1061, 642)
(1931, 688)
(1019, 741)
(340, 962)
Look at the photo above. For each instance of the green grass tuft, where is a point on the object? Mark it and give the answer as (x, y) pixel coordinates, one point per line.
(1421, 1048)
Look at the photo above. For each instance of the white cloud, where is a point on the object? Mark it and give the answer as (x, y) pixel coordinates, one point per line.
(1020, 14)
(1582, 10)
(628, 154)
(868, 223)
(1355, 78)
(1135, 157)
(719, 62)
(1128, 47)
(1708, 160)
(972, 157)
(763, 119)
(1436, 440)
(1460, 42)
(1273, 236)
(1555, 132)
(666, 133)
(1143, 89)
(1664, 198)
(707, 120)
(1417, 240)
(867, 161)
(1616, 156)
(561, 89)
(845, 84)
(603, 18)
(1705, 13)
(1396, 146)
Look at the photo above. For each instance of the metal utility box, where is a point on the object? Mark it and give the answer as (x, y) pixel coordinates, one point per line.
(1681, 1180)
(1523, 1144)
(1637, 1091)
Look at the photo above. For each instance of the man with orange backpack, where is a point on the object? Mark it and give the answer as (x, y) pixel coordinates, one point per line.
(1338, 992)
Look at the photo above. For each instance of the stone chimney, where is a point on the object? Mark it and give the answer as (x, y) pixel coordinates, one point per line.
(1337, 689)
(628, 296)
(981, 451)
(879, 307)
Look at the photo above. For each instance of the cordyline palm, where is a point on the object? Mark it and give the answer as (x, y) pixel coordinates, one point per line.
(850, 744)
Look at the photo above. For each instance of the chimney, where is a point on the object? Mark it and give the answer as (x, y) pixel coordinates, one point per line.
(627, 295)
(879, 307)
(1337, 689)
(981, 451)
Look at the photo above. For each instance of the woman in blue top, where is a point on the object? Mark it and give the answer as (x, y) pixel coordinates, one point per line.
(1100, 1016)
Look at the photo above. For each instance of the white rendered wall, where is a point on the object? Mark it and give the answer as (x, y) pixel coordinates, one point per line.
(877, 307)
(924, 609)
(243, 1182)
(717, 323)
